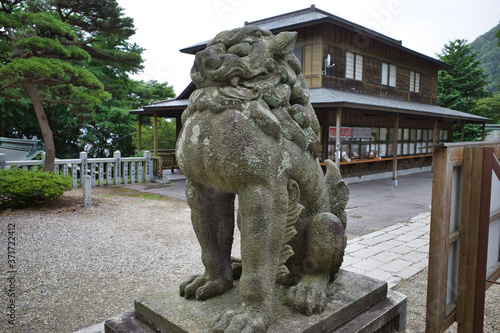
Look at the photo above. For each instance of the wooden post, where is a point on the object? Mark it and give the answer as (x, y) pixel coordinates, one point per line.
(484, 132)
(395, 153)
(438, 245)
(435, 133)
(155, 134)
(139, 134)
(463, 132)
(178, 125)
(325, 136)
(338, 138)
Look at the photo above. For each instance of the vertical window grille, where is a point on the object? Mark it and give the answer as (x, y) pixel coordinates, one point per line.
(392, 75)
(349, 65)
(359, 67)
(353, 66)
(389, 74)
(414, 81)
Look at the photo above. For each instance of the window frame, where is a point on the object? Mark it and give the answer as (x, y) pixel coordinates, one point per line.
(414, 82)
(354, 66)
(389, 75)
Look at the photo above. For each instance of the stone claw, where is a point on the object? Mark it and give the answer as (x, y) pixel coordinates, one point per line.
(237, 322)
(308, 298)
(201, 288)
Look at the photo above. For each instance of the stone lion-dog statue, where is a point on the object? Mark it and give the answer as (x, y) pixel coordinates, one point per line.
(250, 130)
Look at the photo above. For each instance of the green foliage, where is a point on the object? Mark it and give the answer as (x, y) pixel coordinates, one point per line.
(78, 51)
(77, 54)
(166, 135)
(22, 188)
(489, 107)
(458, 88)
(488, 52)
(110, 129)
(146, 93)
(472, 132)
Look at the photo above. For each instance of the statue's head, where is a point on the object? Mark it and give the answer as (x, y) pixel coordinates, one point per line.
(241, 54)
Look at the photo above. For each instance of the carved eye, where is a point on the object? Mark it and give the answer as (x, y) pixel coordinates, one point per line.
(241, 49)
(257, 34)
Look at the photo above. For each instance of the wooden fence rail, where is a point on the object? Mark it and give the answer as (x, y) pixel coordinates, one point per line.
(104, 171)
(464, 247)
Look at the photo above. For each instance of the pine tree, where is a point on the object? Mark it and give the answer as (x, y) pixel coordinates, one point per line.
(48, 48)
(459, 87)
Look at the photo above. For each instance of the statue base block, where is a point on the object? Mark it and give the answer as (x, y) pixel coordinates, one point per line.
(356, 303)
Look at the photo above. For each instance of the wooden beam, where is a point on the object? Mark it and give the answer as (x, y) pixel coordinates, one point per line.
(338, 142)
(395, 153)
(155, 133)
(438, 245)
(482, 244)
(469, 237)
(325, 136)
(139, 134)
(463, 132)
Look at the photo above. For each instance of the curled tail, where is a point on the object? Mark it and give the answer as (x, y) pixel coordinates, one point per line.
(338, 191)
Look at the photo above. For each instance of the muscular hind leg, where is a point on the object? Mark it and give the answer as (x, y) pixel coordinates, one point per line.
(212, 215)
(323, 252)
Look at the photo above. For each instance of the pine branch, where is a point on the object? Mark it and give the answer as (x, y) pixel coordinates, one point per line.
(60, 101)
(11, 84)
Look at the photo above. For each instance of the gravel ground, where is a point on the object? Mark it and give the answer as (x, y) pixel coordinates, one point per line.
(77, 267)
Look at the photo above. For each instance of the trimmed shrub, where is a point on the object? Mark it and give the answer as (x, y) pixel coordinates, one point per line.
(22, 188)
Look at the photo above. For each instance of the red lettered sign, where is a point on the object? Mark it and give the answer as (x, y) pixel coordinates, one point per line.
(345, 132)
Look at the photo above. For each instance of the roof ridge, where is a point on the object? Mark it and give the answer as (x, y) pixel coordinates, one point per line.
(284, 15)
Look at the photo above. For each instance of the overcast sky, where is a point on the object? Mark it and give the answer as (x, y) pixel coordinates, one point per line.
(165, 26)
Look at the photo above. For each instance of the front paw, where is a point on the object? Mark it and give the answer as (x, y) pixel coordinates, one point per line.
(201, 288)
(236, 322)
(308, 297)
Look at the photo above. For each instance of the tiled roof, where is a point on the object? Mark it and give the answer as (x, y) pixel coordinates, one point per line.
(324, 98)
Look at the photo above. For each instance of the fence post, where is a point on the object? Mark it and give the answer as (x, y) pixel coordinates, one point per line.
(140, 174)
(149, 166)
(125, 173)
(83, 167)
(87, 191)
(101, 174)
(74, 175)
(92, 174)
(132, 172)
(117, 171)
(3, 162)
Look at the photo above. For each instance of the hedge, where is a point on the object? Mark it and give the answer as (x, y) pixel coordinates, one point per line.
(22, 188)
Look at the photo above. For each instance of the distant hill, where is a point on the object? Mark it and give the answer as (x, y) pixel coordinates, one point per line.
(489, 53)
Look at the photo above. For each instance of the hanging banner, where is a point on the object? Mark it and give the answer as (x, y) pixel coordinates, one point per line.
(345, 132)
(362, 132)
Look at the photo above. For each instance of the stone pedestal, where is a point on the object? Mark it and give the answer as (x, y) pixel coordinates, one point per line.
(355, 304)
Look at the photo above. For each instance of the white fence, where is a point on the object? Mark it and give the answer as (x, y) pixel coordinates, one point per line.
(115, 170)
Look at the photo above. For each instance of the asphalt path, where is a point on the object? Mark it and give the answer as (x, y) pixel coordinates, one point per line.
(373, 205)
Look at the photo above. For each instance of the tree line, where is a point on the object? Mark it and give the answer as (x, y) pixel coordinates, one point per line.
(466, 87)
(65, 69)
